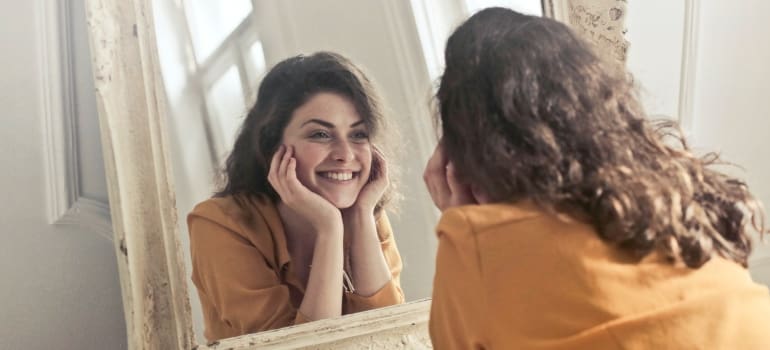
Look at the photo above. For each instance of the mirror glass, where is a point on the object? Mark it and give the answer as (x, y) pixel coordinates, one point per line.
(213, 56)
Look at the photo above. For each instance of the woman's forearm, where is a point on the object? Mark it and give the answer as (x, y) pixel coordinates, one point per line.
(370, 271)
(324, 286)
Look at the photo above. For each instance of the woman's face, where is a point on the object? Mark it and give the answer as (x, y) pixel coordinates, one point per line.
(331, 146)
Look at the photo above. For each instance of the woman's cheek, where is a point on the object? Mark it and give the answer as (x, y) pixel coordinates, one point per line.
(308, 157)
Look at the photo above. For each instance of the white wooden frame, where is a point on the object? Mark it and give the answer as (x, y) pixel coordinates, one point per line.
(687, 78)
(66, 205)
(153, 280)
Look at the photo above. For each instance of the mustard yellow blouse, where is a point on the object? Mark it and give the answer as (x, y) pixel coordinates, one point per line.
(243, 272)
(513, 277)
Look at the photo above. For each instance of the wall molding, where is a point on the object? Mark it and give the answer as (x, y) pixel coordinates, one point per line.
(66, 204)
(688, 66)
(91, 214)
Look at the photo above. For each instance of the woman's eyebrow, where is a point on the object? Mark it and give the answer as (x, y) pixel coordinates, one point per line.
(319, 121)
(327, 124)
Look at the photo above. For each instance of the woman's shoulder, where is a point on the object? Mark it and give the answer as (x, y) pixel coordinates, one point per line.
(232, 211)
(469, 219)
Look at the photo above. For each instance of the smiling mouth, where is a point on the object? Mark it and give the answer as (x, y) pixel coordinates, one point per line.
(344, 176)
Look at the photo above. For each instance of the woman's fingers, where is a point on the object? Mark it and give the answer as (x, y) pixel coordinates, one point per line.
(292, 183)
(293, 190)
(282, 171)
(291, 170)
(283, 177)
(275, 163)
(289, 174)
(442, 181)
(479, 195)
(460, 193)
(435, 178)
(379, 166)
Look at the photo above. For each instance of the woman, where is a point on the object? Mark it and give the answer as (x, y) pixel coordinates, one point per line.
(568, 222)
(300, 216)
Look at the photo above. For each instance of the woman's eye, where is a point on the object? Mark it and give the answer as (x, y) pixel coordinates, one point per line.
(320, 135)
(360, 135)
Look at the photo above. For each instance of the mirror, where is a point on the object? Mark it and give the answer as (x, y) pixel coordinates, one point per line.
(168, 116)
(213, 56)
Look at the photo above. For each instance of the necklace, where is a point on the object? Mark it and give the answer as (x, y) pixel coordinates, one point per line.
(347, 282)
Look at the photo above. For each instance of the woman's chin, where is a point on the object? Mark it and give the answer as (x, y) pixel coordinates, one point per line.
(344, 204)
(341, 202)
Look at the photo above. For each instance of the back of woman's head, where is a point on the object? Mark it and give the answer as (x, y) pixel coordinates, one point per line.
(287, 86)
(529, 111)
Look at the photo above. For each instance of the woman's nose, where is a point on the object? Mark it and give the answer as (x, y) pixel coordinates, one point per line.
(342, 151)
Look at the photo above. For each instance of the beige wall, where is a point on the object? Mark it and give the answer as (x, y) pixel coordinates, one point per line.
(59, 284)
(728, 113)
(732, 109)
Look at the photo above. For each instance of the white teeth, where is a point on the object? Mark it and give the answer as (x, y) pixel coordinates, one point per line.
(338, 176)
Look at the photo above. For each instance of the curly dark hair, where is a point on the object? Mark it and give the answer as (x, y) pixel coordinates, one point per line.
(286, 87)
(528, 111)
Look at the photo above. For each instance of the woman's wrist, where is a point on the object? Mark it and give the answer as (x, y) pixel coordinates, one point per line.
(333, 229)
(359, 219)
(358, 212)
(329, 224)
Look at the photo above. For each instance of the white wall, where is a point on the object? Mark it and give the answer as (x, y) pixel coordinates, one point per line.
(655, 29)
(728, 114)
(59, 285)
(732, 96)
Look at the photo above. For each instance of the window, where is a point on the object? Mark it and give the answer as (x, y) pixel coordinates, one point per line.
(434, 30)
(211, 57)
(529, 7)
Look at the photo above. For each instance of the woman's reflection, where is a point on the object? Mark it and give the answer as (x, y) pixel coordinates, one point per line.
(298, 231)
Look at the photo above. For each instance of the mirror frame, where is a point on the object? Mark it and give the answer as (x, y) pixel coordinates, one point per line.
(132, 117)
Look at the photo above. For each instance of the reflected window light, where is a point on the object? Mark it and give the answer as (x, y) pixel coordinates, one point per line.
(210, 22)
(257, 58)
(528, 7)
(435, 21)
(171, 57)
(226, 106)
(433, 31)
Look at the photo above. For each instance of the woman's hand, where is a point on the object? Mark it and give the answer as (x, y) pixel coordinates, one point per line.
(441, 179)
(368, 266)
(318, 211)
(378, 182)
